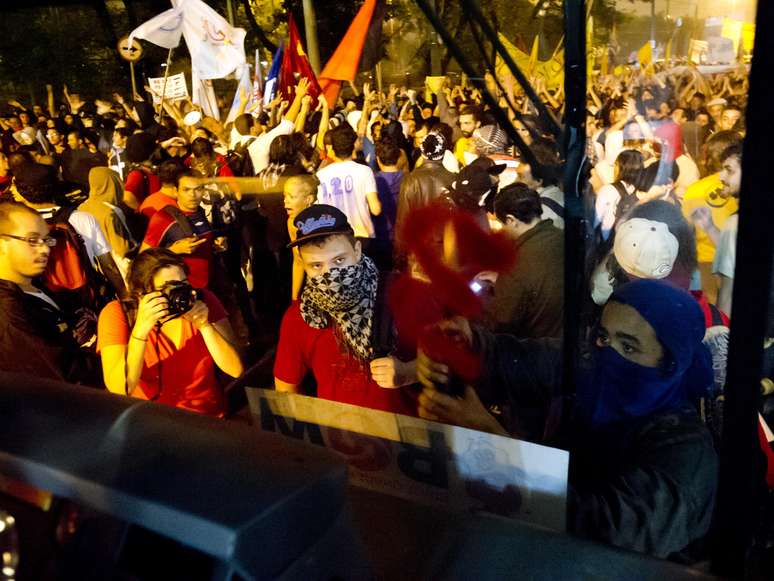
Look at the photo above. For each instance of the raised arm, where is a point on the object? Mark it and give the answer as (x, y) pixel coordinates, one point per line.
(324, 120)
(302, 88)
(306, 101)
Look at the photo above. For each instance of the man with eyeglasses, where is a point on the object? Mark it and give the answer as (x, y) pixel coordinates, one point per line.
(34, 338)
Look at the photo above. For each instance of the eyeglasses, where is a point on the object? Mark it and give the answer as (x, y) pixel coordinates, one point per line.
(34, 240)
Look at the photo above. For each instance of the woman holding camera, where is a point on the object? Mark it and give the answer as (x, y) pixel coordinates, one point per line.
(163, 342)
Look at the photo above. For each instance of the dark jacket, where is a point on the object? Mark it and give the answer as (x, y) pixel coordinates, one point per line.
(30, 340)
(529, 299)
(648, 486)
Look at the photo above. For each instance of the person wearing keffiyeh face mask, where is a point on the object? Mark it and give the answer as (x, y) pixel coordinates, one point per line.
(643, 470)
(338, 329)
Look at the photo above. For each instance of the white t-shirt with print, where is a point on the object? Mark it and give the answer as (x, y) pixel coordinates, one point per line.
(345, 184)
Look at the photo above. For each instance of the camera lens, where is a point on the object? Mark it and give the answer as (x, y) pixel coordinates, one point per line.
(180, 297)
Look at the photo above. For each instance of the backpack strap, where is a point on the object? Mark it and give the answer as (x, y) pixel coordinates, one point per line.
(122, 218)
(180, 219)
(61, 216)
(553, 205)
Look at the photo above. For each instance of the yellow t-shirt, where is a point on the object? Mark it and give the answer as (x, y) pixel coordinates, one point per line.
(698, 195)
(460, 148)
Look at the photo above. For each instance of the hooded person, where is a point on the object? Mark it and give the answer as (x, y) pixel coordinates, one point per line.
(104, 203)
(643, 469)
(340, 330)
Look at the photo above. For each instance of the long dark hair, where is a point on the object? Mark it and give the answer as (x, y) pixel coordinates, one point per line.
(140, 276)
(630, 167)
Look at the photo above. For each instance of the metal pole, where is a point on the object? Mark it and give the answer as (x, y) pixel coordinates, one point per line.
(573, 146)
(164, 87)
(739, 502)
(230, 12)
(134, 82)
(653, 23)
(473, 7)
(435, 49)
(379, 76)
(310, 27)
(475, 77)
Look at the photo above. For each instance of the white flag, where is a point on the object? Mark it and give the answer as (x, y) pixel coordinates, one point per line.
(163, 30)
(216, 47)
(245, 85)
(204, 96)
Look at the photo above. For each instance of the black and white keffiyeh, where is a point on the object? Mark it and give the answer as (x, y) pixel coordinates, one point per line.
(346, 295)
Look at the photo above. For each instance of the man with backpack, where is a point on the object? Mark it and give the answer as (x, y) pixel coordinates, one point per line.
(184, 229)
(35, 335)
(81, 274)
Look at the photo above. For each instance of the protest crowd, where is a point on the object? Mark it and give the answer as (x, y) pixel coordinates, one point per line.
(160, 258)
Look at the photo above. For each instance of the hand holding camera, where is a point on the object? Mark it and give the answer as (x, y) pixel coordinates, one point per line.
(198, 315)
(182, 298)
(153, 309)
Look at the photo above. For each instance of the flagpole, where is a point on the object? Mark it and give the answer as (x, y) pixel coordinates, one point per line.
(134, 82)
(164, 87)
(379, 77)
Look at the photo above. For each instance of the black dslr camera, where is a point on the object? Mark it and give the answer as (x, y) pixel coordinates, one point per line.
(180, 296)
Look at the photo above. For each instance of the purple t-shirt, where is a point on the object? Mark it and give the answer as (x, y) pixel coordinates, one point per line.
(388, 188)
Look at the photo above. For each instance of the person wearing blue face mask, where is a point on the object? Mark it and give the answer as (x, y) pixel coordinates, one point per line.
(643, 470)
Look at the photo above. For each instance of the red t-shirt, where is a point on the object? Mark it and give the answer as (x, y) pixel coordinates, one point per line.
(163, 230)
(339, 376)
(136, 183)
(154, 203)
(187, 373)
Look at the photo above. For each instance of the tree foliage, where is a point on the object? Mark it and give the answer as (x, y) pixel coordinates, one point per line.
(56, 45)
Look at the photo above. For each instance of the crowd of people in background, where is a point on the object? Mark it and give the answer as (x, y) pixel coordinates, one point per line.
(126, 265)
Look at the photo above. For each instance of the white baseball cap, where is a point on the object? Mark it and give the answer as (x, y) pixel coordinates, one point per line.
(645, 248)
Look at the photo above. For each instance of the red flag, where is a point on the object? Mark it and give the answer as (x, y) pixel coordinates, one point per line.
(295, 65)
(343, 65)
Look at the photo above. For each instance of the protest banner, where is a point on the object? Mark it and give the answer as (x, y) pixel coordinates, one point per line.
(176, 90)
(427, 462)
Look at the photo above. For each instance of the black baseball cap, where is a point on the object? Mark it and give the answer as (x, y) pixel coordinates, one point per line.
(320, 220)
(489, 165)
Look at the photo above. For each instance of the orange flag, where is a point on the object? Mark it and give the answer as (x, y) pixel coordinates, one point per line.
(343, 65)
